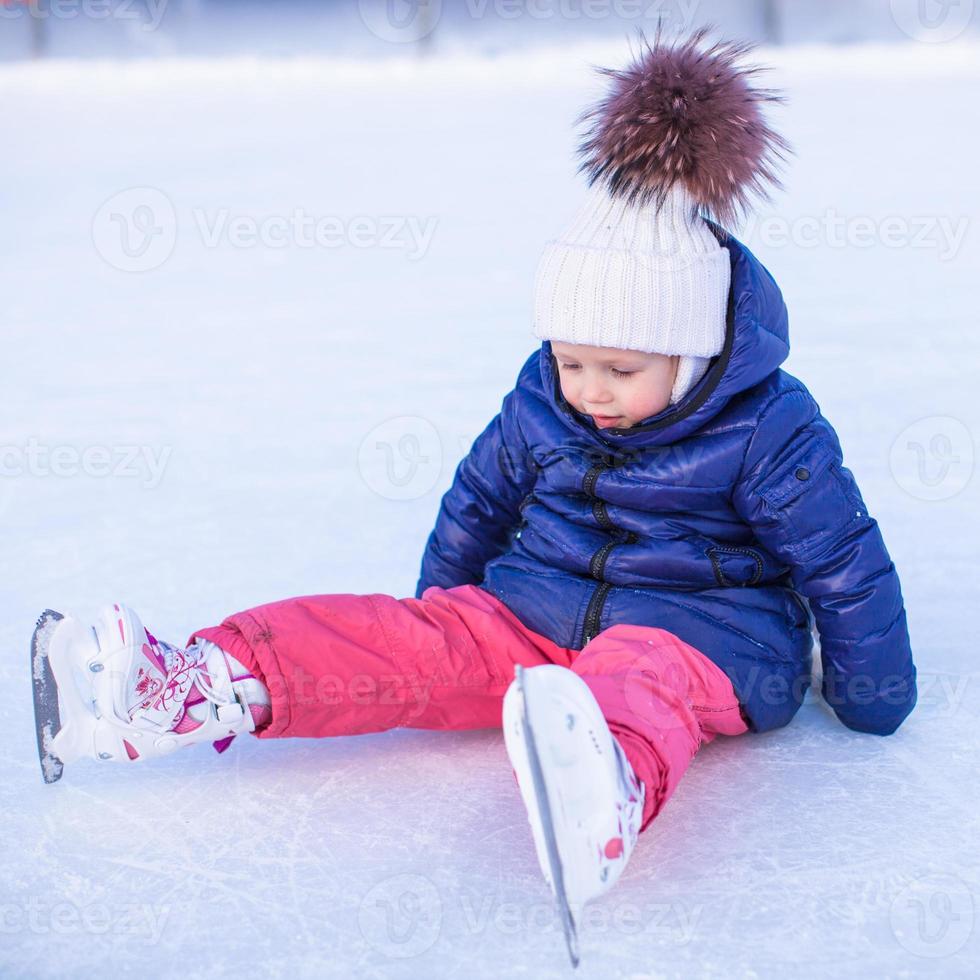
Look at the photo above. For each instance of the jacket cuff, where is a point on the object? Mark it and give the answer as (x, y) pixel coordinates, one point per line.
(873, 713)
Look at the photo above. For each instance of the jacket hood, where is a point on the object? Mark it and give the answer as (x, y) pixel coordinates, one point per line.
(756, 343)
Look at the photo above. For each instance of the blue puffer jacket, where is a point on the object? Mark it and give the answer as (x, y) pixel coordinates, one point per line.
(714, 519)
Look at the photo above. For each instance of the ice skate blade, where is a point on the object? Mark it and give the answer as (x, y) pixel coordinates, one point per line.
(72, 644)
(65, 719)
(47, 717)
(525, 745)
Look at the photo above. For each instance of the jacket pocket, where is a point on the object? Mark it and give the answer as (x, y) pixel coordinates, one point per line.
(810, 496)
(736, 565)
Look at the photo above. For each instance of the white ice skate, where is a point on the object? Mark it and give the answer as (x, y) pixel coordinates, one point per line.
(112, 691)
(583, 800)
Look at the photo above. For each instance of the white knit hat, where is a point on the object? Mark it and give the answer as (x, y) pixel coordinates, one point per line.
(649, 278)
(679, 134)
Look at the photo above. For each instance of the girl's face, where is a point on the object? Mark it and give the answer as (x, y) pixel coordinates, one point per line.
(618, 388)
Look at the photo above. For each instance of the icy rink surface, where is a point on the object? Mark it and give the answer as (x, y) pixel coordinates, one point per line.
(251, 381)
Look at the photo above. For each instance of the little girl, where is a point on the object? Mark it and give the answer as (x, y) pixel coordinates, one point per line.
(645, 534)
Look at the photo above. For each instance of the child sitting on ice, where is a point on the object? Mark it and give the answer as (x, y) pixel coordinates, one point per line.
(634, 534)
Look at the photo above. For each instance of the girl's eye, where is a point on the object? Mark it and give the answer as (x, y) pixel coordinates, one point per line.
(616, 373)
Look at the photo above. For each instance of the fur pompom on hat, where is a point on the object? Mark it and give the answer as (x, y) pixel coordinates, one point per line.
(684, 116)
(679, 137)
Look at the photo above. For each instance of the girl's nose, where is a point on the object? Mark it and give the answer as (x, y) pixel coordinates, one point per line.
(594, 392)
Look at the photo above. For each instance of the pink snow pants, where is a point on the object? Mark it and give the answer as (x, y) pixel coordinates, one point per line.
(349, 664)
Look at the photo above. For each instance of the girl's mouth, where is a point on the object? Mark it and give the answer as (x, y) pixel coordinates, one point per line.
(606, 421)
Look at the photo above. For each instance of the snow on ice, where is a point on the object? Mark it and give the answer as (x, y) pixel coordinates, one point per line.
(242, 372)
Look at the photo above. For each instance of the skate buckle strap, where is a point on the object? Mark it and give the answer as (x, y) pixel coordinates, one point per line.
(228, 704)
(228, 714)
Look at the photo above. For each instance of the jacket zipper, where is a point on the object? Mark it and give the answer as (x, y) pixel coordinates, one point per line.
(598, 562)
(593, 613)
(588, 484)
(597, 565)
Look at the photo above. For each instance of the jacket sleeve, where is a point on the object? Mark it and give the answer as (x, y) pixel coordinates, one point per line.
(481, 509)
(803, 504)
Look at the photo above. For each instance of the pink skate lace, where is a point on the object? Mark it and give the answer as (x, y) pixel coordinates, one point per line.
(175, 675)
